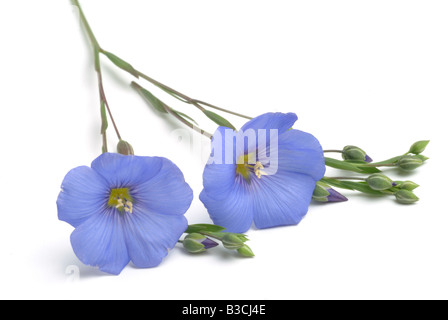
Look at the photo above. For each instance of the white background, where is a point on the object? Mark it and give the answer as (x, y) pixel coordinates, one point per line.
(367, 73)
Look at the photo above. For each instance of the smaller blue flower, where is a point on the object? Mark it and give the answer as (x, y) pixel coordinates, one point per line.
(263, 174)
(124, 208)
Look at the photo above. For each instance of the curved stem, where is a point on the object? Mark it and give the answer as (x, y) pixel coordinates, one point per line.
(192, 126)
(380, 165)
(96, 51)
(145, 94)
(104, 99)
(185, 98)
(223, 110)
(346, 178)
(86, 25)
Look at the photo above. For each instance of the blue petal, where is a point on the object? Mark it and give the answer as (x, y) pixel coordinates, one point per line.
(258, 132)
(100, 242)
(298, 152)
(84, 193)
(219, 173)
(165, 193)
(235, 212)
(299, 140)
(281, 199)
(150, 236)
(123, 171)
(280, 121)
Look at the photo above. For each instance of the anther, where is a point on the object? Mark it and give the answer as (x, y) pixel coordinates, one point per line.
(258, 170)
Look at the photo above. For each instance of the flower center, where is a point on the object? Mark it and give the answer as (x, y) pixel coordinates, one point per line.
(246, 165)
(121, 200)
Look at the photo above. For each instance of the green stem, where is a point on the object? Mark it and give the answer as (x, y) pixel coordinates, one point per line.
(96, 51)
(350, 185)
(210, 235)
(389, 162)
(182, 97)
(170, 111)
(86, 25)
(186, 99)
(333, 151)
(104, 99)
(224, 110)
(376, 165)
(346, 178)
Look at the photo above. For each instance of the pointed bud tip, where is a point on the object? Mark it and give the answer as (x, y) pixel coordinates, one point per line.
(408, 185)
(335, 196)
(209, 243)
(418, 147)
(246, 251)
(233, 240)
(406, 197)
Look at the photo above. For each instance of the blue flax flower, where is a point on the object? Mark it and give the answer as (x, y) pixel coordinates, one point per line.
(263, 174)
(124, 208)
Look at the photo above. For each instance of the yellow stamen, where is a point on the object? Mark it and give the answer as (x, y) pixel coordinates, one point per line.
(121, 200)
(257, 170)
(246, 165)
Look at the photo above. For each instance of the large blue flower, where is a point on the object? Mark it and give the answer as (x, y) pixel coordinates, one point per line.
(124, 208)
(264, 174)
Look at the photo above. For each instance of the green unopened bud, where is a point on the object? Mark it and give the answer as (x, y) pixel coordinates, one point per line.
(125, 148)
(193, 243)
(408, 185)
(406, 196)
(378, 181)
(418, 147)
(321, 192)
(355, 153)
(409, 162)
(246, 251)
(233, 241)
(324, 193)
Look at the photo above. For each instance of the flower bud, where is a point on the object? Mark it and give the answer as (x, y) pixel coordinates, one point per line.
(321, 192)
(418, 147)
(355, 153)
(378, 181)
(408, 185)
(233, 241)
(406, 196)
(196, 243)
(409, 162)
(246, 251)
(324, 193)
(125, 148)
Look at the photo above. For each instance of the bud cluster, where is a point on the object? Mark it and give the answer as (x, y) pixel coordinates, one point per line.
(376, 183)
(403, 190)
(199, 239)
